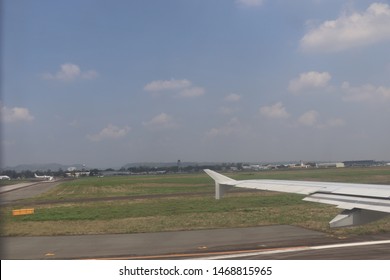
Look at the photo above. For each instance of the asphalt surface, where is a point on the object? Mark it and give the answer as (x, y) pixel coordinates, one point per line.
(168, 244)
(12, 193)
(355, 252)
(378, 248)
(267, 242)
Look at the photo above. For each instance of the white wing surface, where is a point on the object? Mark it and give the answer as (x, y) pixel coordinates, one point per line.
(363, 203)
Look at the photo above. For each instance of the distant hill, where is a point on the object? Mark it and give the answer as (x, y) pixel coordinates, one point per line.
(165, 164)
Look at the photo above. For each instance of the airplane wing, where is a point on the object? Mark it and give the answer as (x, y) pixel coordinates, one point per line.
(362, 203)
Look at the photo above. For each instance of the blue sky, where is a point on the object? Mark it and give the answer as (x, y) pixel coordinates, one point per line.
(105, 83)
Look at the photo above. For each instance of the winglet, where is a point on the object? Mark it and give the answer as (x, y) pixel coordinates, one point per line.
(222, 183)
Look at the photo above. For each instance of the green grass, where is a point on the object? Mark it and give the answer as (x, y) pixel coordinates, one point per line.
(91, 187)
(128, 185)
(184, 212)
(157, 207)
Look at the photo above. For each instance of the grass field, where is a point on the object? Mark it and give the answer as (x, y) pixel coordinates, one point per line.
(180, 211)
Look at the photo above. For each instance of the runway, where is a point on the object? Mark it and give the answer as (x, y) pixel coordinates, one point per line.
(152, 244)
(264, 242)
(12, 193)
(344, 251)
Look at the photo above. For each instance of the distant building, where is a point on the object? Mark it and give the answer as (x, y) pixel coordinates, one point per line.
(77, 174)
(360, 163)
(331, 165)
(298, 165)
(254, 167)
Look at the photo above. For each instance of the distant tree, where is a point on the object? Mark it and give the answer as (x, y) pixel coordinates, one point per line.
(27, 174)
(10, 173)
(94, 172)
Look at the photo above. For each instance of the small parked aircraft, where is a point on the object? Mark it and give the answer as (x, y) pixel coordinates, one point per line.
(44, 177)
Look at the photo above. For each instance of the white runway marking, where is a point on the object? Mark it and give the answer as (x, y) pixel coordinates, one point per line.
(296, 249)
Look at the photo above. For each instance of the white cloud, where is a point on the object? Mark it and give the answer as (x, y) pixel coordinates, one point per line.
(161, 121)
(89, 75)
(172, 84)
(191, 92)
(348, 31)
(110, 132)
(233, 97)
(234, 126)
(70, 72)
(227, 111)
(74, 123)
(181, 88)
(250, 3)
(309, 118)
(366, 92)
(276, 111)
(15, 114)
(308, 81)
(335, 122)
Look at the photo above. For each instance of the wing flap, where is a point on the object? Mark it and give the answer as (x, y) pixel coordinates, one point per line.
(366, 190)
(280, 186)
(351, 202)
